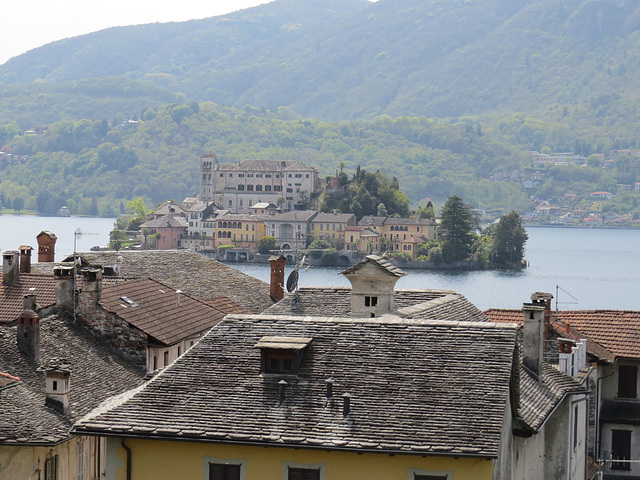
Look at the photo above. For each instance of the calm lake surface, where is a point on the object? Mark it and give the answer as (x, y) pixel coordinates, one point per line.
(593, 268)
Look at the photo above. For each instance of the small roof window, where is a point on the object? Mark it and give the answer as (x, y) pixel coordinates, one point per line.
(282, 355)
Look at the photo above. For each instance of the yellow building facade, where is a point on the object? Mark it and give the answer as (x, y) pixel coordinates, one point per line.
(243, 231)
(171, 460)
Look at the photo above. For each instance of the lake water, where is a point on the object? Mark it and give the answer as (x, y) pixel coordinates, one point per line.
(17, 230)
(592, 268)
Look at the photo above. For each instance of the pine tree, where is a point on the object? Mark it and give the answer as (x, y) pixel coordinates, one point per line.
(456, 229)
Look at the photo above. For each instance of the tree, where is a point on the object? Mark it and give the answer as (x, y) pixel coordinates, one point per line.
(18, 204)
(457, 230)
(266, 244)
(510, 238)
(138, 207)
(116, 238)
(426, 211)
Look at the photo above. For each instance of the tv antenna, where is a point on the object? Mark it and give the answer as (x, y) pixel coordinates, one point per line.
(79, 233)
(292, 281)
(566, 303)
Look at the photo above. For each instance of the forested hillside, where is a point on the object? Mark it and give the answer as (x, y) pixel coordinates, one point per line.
(157, 157)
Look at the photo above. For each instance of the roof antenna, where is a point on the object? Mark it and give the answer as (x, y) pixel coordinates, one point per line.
(568, 303)
(292, 281)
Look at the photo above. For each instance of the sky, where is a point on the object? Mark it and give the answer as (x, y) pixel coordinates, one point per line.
(29, 24)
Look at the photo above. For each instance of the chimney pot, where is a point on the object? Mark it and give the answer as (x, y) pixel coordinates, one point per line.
(10, 267)
(58, 386)
(533, 337)
(330, 383)
(283, 386)
(346, 408)
(28, 331)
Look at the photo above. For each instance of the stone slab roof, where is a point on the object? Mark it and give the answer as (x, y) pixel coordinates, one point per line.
(294, 216)
(416, 386)
(349, 218)
(226, 305)
(166, 221)
(97, 373)
(196, 275)
(336, 302)
(385, 265)
(538, 400)
(158, 310)
(12, 296)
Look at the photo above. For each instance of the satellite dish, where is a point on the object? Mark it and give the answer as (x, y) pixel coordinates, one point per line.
(292, 281)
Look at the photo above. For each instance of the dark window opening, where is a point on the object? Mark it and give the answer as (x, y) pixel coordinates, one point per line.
(627, 381)
(370, 301)
(429, 477)
(620, 449)
(220, 471)
(279, 361)
(303, 474)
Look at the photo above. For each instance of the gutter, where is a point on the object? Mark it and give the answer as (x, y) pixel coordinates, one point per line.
(124, 436)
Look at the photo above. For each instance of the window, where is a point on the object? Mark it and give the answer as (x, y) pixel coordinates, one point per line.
(249, 188)
(221, 471)
(295, 473)
(166, 358)
(298, 175)
(241, 175)
(258, 188)
(370, 301)
(80, 459)
(267, 188)
(281, 354)
(279, 361)
(620, 449)
(51, 468)
(627, 381)
(418, 474)
(240, 188)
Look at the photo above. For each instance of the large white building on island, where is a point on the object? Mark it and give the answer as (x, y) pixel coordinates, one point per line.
(238, 186)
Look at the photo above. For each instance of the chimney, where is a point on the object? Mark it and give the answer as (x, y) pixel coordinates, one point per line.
(65, 295)
(330, 381)
(10, 267)
(91, 289)
(533, 337)
(58, 386)
(25, 259)
(277, 277)
(28, 334)
(46, 246)
(346, 407)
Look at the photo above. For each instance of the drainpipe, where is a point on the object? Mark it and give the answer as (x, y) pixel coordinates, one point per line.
(598, 436)
(128, 450)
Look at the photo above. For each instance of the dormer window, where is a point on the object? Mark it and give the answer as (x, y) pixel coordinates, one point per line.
(282, 355)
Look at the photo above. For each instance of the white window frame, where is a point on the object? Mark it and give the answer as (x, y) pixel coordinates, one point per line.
(225, 461)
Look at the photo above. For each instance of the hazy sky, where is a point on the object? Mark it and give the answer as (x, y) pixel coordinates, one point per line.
(28, 24)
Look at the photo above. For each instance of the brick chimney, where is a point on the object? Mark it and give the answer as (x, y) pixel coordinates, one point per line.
(46, 246)
(28, 334)
(25, 259)
(10, 267)
(58, 386)
(91, 289)
(65, 294)
(277, 277)
(533, 337)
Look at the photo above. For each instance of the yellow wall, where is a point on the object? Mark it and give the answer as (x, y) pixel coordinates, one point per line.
(155, 459)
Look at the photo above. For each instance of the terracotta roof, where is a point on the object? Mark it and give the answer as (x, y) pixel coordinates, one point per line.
(12, 296)
(158, 310)
(96, 374)
(406, 396)
(616, 330)
(226, 305)
(196, 275)
(505, 315)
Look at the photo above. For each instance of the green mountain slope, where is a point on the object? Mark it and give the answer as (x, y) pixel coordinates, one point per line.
(341, 60)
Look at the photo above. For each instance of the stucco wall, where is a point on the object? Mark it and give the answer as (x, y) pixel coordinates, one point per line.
(156, 460)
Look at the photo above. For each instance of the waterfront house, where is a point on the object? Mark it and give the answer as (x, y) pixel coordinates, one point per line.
(331, 227)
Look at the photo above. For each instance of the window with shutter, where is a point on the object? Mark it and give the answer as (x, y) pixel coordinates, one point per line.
(621, 449)
(221, 471)
(303, 473)
(627, 381)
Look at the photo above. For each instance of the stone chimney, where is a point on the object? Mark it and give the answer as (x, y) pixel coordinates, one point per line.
(533, 337)
(28, 334)
(25, 259)
(91, 289)
(10, 267)
(277, 263)
(65, 294)
(373, 284)
(58, 386)
(46, 246)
